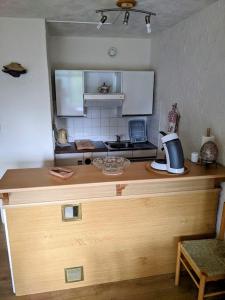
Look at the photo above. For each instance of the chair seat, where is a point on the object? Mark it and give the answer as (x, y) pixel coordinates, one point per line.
(208, 255)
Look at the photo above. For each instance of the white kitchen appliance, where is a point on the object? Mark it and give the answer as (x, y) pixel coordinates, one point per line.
(174, 162)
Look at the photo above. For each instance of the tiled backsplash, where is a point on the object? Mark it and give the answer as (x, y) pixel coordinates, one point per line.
(100, 124)
(153, 130)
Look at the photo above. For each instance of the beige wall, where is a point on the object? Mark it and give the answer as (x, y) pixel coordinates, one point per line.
(25, 116)
(189, 59)
(91, 53)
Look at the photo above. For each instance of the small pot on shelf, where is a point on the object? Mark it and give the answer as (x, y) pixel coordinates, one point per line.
(104, 89)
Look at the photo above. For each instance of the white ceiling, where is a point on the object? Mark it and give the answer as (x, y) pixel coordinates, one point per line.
(169, 12)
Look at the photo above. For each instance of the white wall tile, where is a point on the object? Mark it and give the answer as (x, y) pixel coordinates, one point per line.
(78, 123)
(95, 113)
(113, 113)
(89, 112)
(100, 124)
(87, 123)
(104, 131)
(113, 131)
(113, 122)
(105, 113)
(60, 123)
(95, 123)
(104, 122)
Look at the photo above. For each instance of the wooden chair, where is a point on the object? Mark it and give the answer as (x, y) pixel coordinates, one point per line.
(204, 260)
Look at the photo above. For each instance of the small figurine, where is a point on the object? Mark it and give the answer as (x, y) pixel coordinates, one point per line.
(173, 119)
(104, 89)
(209, 153)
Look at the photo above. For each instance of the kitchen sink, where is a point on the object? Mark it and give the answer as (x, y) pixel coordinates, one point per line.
(119, 145)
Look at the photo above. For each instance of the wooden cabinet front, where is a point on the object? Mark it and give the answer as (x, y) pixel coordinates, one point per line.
(116, 239)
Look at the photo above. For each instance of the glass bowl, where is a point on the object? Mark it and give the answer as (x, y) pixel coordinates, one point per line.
(111, 165)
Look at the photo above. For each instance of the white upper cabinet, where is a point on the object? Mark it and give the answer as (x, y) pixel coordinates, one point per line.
(138, 89)
(69, 88)
(75, 87)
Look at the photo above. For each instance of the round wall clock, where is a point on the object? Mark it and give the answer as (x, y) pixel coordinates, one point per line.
(112, 51)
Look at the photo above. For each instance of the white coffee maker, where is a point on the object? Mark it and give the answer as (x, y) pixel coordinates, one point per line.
(174, 162)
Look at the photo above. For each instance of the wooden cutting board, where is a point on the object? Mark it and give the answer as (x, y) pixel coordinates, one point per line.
(84, 145)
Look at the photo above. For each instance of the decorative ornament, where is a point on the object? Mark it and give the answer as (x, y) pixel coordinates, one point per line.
(173, 119)
(104, 89)
(209, 153)
(112, 52)
(14, 69)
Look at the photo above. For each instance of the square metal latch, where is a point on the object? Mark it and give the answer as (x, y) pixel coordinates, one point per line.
(71, 212)
(74, 274)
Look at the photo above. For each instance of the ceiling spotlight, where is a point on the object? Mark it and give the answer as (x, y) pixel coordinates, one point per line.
(126, 7)
(102, 21)
(148, 23)
(126, 18)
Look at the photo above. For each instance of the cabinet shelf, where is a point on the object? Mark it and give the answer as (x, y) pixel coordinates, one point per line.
(95, 79)
(96, 96)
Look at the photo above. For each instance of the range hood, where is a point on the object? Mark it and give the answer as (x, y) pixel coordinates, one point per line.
(103, 100)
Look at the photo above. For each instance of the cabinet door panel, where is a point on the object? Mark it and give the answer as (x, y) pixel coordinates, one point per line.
(138, 90)
(69, 92)
(116, 239)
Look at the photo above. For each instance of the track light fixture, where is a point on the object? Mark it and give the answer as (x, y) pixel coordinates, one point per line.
(148, 23)
(102, 21)
(127, 6)
(126, 18)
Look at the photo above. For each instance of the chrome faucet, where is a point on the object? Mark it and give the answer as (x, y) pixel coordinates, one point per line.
(118, 138)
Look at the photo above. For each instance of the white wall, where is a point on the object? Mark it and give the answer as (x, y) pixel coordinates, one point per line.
(25, 116)
(189, 59)
(91, 53)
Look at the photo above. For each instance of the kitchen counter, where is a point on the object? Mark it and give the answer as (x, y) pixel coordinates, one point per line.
(121, 227)
(100, 147)
(18, 180)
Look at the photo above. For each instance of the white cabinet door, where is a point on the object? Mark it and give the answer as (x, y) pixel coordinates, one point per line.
(69, 88)
(138, 90)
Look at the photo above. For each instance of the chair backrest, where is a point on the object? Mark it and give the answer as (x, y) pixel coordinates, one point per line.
(222, 225)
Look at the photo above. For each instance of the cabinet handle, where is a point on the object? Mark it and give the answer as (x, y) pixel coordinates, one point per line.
(71, 212)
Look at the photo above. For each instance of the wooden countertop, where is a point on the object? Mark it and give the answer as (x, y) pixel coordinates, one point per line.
(16, 180)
